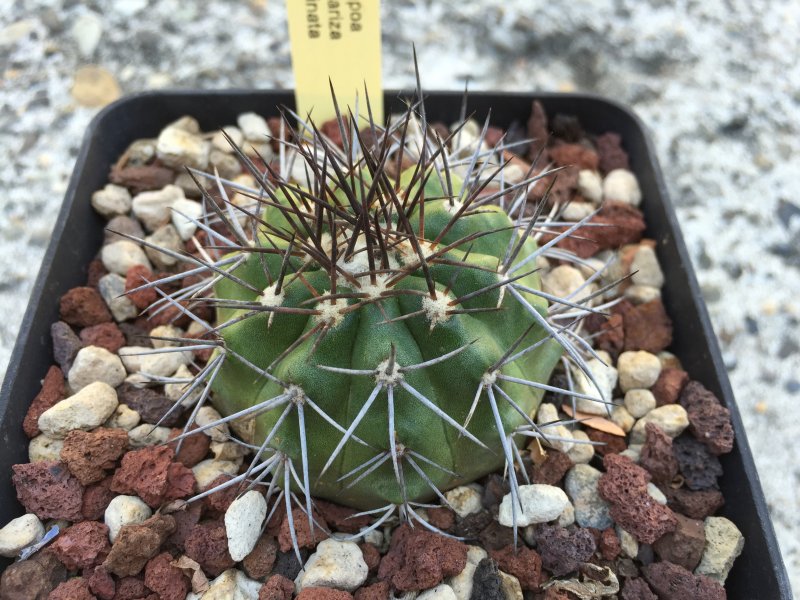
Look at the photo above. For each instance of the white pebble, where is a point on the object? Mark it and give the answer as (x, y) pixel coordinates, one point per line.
(231, 585)
(163, 364)
(165, 331)
(511, 587)
(639, 294)
(645, 268)
(208, 414)
(590, 185)
(153, 208)
(581, 453)
(234, 133)
(131, 357)
(639, 402)
(622, 418)
(123, 417)
(563, 281)
(605, 376)
(633, 451)
(567, 518)
(112, 288)
(462, 583)
(19, 533)
(577, 211)
(183, 210)
(637, 369)
(464, 500)
(87, 409)
(165, 237)
(724, 543)
(125, 510)
(208, 470)
(254, 127)
(539, 503)
(43, 447)
(95, 364)
(335, 564)
(177, 147)
(628, 543)
(621, 185)
(174, 391)
(120, 256)
(112, 201)
(548, 413)
(672, 418)
(440, 592)
(229, 451)
(147, 435)
(243, 521)
(656, 494)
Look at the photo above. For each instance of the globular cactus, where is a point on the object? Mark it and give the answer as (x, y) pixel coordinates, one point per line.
(381, 334)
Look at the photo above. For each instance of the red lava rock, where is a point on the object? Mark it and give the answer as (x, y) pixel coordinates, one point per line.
(538, 130)
(48, 490)
(137, 544)
(647, 327)
(493, 135)
(150, 404)
(574, 155)
(185, 520)
(376, 591)
(567, 128)
(637, 589)
(441, 517)
(82, 546)
(207, 544)
(141, 178)
(609, 544)
(321, 593)
(65, 345)
(685, 545)
(699, 467)
(51, 393)
(564, 184)
(471, 526)
(657, 456)
(673, 581)
(94, 272)
(622, 224)
(218, 502)
(305, 538)
(277, 587)
(341, 518)
(34, 578)
(136, 276)
(96, 499)
(167, 581)
(669, 385)
(104, 335)
(89, 454)
(695, 504)
(144, 473)
(624, 486)
(609, 331)
(495, 536)
(610, 152)
(709, 421)
(258, 564)
(172, 315)
(82, 307)
(562, 551)
(193, 449)
(523, 563)
(372, 556)
(419, 559)
(180, 482)
(131, 588)
(611, 444)
(76, 588)
(101, 584)
(552, 470)
(332, 129)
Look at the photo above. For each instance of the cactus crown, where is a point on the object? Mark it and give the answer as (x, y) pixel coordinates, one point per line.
(380, 330)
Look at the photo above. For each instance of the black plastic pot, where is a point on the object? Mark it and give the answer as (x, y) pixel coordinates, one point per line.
(758, 573)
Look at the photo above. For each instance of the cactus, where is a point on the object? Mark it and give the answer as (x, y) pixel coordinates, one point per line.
(380, 333)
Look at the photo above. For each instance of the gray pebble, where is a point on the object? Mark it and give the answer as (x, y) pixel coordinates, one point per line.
(590, 509)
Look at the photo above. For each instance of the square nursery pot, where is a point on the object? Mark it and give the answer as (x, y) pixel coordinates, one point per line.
(758, 573)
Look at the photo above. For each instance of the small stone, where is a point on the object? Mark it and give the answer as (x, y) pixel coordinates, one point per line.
(76, 588)
(120, 256)
(577, 211)
(335, 564)
(647, 327)
(563, 551)
(101, 584)
(208, 470)
(87, 409)
(122, 225)
(207, 415)
(609, 149)
(608, 443)
(125, 510)
(137, 276)
(48, 490)
(32, 578)
(163, 364)
(563, 281)
(637, 589)
(552, 470)
(581, 487)
(709, 421)
(622, 418)
(43, 447)
(258, 563)
(253, 127)
(590, 185)
(279, 587)
(144, 473)
(243, 521)
(723, 544)
(151, 406)
(123, 417)
(656, 494)
(621, 185)
(639, 402)
(165, 237)
(176, 147)
(86, 32)
(521, 562)
(637, 370)
(464, 500)
(540, 503)
(641, 294)
(609, 544)
(628, 543)
(669, 385)
(229, 451)
(341, 518)
(207, 544)
(183, 211)
(684, 546)
(154, 208)
(222, 144)
(52, 393)
(645, 268)
(548, 413)
(699, 467)
(463, 582)
(606, 378)
(695, 504)
(657, 455)
(510, 587)
(581, 453)
(440, 592)
(96, 498)
(88, 455)
(103, 335)
(19, 533)
(131, 357)
(673, 581)
(82, 546)
(94, 86)
(167, 581)
(112, 288)
(670, 418)
(136, 544)
(303, 533)
(145, 435)
(82, 307)
(112, 201)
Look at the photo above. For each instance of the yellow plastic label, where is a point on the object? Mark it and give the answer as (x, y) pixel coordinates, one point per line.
(340, 40)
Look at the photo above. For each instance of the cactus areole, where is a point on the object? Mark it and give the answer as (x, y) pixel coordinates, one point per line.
(385, 331)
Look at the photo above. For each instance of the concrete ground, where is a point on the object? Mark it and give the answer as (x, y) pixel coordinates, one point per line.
(717, 82)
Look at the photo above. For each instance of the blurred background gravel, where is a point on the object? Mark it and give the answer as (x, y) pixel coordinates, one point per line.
(717, 82)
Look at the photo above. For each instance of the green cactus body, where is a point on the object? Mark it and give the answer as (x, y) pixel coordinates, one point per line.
(361, 333)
